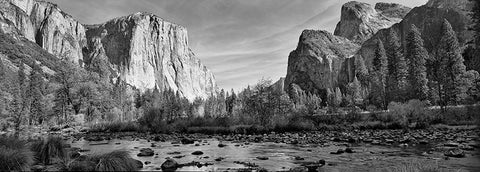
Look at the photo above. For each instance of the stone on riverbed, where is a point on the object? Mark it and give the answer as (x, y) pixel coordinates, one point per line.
(174, 153)
(339, 151)
(146, 152)
(169, 165)
(219, 159)
(299, 158)
(349, 150)
(262, 158)
(456, 153)
(197, 153)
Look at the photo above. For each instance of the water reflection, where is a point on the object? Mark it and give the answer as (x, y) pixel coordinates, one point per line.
(281, 156)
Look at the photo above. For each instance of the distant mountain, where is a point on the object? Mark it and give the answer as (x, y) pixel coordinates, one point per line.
(428, 18)
(147, 51)
(142, 49)
(316, 64)
(323, 61)
(359, 21)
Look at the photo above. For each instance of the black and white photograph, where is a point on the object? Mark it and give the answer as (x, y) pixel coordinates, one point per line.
(240, 85)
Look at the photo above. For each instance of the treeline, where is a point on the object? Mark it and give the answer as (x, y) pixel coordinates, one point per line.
(440, 77)
(31, 97)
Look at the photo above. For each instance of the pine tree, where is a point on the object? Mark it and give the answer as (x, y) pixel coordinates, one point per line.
(417, 55)
(35, 93)
(475, 57)
(451, 67)
(3, 100)
(354, 91)
(476, 22)
(2, 71)
(23, 100)
(380, 68)
(361, 70)
(398, 69)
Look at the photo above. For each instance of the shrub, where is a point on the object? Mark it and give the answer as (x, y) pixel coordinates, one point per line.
(14, 155)
(154, 120)
(416, 167)
(46, 149)
(118, 160)
(127, 126)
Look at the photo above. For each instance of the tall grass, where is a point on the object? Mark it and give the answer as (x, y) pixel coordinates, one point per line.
(118, 160)
(48, 148)
(417, 167)
(127, 126)
(14, 155)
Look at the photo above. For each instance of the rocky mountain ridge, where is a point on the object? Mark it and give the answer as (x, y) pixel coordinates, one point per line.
(359, 21)
(142, 49)
(319, 65)
(428, 19)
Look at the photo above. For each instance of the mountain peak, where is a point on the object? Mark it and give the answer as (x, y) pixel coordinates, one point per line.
(359, 21)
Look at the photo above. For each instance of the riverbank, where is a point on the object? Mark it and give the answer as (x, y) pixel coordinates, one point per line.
(439, 148)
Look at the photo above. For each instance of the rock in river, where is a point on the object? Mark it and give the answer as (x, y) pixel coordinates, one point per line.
(262, 158)
(339, 151)
(197, 153)
(146, 152)
(456, 153)
(169, 165)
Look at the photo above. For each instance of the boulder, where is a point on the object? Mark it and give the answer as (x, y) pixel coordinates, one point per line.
(169, 165)
(339, 151)
(139, 164)
(262, 157)
(197, 153)
(146, 152)
(456, 153)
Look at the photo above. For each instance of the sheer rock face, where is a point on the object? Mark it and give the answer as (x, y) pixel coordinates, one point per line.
(317, 63)
(48, 26)
(428, 18)
(141, 49)
(359, 21)
(14, 20)
(147, 52)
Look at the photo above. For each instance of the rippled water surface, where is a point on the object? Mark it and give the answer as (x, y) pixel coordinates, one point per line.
(282, 156)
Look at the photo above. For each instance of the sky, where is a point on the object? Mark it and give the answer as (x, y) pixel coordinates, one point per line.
(240, 41)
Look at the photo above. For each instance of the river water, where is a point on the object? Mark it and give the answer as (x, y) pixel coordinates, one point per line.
(281, 156)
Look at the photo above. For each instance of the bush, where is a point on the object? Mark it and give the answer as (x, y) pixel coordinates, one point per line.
(127, 126)
(401, 115)
(46, 149)
(14, 155)
(154, 120)
(118, 160)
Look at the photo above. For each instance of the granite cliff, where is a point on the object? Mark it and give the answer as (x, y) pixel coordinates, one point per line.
(147, 52)
(359, 21)
(48, 26)
(428, 18)
(317, 63)
(323, 61)
(142, 49)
